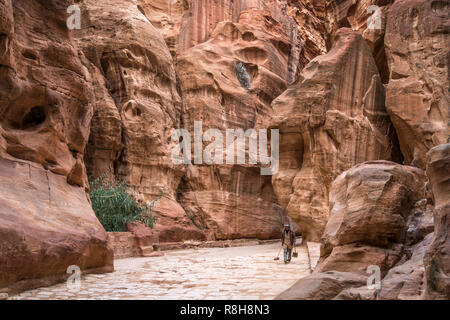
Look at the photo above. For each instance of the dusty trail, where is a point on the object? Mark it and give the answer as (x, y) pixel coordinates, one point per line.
(248, 272)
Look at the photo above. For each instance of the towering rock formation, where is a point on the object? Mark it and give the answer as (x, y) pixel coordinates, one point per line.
(366, 16)
(109, 97)
(330, 119)
(136, 108)
(417, 97)
(135, 84)
(46, 222)
(229, 82)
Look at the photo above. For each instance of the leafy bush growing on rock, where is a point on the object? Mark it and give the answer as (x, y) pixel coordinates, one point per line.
(114, 207)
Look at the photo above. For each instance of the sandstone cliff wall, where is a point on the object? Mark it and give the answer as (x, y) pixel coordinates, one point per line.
(363, 113)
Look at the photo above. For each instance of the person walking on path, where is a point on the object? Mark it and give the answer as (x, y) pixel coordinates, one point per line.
(287, 242)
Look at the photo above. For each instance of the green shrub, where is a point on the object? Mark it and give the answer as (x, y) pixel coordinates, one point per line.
(114, 207)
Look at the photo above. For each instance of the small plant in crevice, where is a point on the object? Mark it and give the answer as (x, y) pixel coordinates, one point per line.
(114, 206)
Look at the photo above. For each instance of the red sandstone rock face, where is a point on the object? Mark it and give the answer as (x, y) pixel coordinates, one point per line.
(369, 208)
(110, 101)
(233, 201)
(322, 286)
(370, 211)
(437, 261)
(46, 222)
(417, 98)
(136, 107)
(330, 119)
(405, 281)
(366, 16)
(121, 139)
(371, 202)
(187, 23)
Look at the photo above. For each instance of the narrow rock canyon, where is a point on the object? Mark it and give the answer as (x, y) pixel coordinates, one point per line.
(348, 99)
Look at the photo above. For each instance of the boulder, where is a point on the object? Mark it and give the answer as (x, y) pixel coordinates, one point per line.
(322, 286)
(371, 204)
(366, 16)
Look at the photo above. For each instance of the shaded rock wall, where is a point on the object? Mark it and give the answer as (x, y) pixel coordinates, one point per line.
(46, 221)
(366, 16)
(437, 260)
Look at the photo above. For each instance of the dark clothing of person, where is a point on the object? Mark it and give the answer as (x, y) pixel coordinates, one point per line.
(287, 241)
(289, 236)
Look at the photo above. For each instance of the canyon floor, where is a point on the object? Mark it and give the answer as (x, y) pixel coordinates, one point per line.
(248, 272)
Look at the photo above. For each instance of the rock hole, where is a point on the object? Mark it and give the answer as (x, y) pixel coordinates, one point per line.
(248, 36)
(440, 7)
(28, 54)
(33, 118)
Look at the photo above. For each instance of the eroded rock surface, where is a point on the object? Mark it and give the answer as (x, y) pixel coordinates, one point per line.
(417, 97)
(371, 203)
(366, 16)
(405, 281)
(46, 221)
(437, 260)
(321, 286)
(330, 119)
(136, 109)
(187, 23)
(107, 99)
(228, 82)
(370, 211)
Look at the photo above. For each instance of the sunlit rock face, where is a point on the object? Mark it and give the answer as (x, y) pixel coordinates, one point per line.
(228, 82)
(417, 37)
(252, 49)
(370, 205)
(46, 222)
(330, 119)
(187, 23)
(366, 16)
(136, 108)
